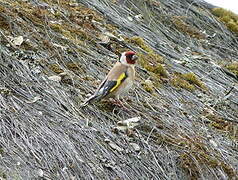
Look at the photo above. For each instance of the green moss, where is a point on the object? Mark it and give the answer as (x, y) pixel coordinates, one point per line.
(152, 63)
(1, 151)
(141, 43)
(181, 83)
(219, 123)
(193, 79)
(56, 27)
(229, 18)
(149, 59)
(148, 86)
(159, 70)
(187, 81)
(194, 147)
(75, 67)
(233, 67)
(190, 30)
(55, 68)
(233, 26)
(70, 32)
(197, 153)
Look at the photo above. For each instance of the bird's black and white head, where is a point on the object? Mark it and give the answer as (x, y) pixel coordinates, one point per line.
(128, 58)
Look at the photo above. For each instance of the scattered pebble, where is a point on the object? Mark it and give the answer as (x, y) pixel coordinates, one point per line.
(40, 173)
(55, 78)
(139, 17)
(17, 41)
(127, 124)
(213, 143)
(135, 146)
(130, 18)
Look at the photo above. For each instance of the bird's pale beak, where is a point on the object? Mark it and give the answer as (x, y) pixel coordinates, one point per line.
(134, 57)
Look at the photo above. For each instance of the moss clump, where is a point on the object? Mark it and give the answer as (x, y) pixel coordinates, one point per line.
(75, 67)
(229, 18)
(55, 68)
(217, 122)
(233, 67)
(193, 79)
(198, 153)
(149, 59)
(152, 63)
(159, 70)
(1, 150)
(141, 43)
(188, 161)
(181, 83)
(187, 81)
(194, 154)
(148, 86)
(107, 106)
(182, 26)
(222, 125)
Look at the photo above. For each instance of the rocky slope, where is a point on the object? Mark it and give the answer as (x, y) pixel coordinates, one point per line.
(53, 54)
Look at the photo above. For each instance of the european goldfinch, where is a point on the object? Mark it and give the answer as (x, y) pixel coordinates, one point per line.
(119, 79)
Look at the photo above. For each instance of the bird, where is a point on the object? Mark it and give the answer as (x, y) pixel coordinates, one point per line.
(118, 80)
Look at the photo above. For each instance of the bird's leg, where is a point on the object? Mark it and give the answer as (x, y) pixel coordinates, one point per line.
(119, 103)
(116, 101)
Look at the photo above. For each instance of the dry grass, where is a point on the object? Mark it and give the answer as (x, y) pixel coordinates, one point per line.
(45, 131)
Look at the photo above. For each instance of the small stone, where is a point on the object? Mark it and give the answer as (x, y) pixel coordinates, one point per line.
(135, 146)
(104, 39)
(55, 78)
(40, 173)
(199, 95)
(130, 18)
(139, 17)
(17, 41)
(130, 123)
(213, 143)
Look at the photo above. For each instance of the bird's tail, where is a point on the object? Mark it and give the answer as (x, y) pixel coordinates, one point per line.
(91, 99)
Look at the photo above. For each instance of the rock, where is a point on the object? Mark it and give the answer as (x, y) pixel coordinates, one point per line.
(17, 41)
(55, 78)
(213, 143)
(40, 173)
(135, 146)
(127, 124)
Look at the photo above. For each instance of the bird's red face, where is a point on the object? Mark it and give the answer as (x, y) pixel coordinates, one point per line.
(131, 57)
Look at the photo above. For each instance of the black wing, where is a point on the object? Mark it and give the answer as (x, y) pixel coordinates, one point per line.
(106, 87)
(110, 86)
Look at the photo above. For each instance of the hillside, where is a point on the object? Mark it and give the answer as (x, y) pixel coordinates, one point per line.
(54, 54)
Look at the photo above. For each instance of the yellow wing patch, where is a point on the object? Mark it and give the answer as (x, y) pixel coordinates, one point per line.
(119, 81)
